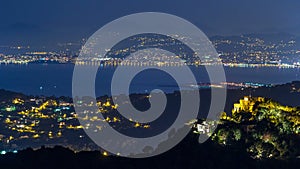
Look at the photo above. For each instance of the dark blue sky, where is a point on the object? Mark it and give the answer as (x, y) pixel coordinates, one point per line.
(51, 21)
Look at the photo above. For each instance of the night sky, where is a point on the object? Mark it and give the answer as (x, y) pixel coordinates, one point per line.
(48, 22)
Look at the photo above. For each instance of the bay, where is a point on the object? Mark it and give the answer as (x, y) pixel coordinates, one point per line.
(56, 79)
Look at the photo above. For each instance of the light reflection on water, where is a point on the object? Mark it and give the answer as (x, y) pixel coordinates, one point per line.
(56, 79)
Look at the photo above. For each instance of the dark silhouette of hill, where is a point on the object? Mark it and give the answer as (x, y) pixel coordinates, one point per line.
(8, 95)
(188, 154)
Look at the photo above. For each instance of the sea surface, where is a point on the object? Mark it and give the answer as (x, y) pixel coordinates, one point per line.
(56, 79)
